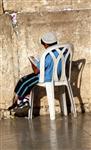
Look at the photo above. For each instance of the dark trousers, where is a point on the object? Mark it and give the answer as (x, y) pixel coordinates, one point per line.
(25, 84)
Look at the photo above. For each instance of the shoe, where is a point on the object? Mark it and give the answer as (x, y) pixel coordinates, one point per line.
(12, 106)
(23, 104)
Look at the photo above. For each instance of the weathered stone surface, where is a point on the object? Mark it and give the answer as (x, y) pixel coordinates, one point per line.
(45, 5)
(1, 9)
(81, 4)
(6, 72)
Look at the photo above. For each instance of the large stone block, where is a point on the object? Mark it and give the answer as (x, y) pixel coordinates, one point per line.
(1, 7)
(22, 5)
(45, 5)
(6, 71)
(81, 4)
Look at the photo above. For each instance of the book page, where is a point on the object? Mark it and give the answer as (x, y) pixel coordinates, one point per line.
(34, 64)
(33, 60)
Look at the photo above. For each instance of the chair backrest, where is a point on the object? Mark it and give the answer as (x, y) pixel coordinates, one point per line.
(65, 55)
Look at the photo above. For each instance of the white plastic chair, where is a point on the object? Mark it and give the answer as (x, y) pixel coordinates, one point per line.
(63, 81)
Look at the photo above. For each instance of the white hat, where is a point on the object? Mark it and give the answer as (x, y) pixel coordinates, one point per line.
(49, 38)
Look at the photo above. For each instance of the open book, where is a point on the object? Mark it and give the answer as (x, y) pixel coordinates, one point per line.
(34, 62)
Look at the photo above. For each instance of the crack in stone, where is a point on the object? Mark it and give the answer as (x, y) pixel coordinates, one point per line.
(3, 6)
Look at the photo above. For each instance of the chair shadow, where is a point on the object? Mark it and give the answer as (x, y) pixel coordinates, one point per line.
(76, 80)
(39, 93)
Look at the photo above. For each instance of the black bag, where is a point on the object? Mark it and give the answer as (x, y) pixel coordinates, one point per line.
(22, 111)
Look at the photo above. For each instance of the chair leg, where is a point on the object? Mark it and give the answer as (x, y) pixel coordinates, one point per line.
(63, 102)
(30, 111)
(73, 107)
(51, 100)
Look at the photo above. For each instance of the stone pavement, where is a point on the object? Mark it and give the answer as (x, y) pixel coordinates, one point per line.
(43, 134)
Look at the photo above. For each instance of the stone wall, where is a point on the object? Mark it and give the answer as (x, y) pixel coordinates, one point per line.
(71, 21)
